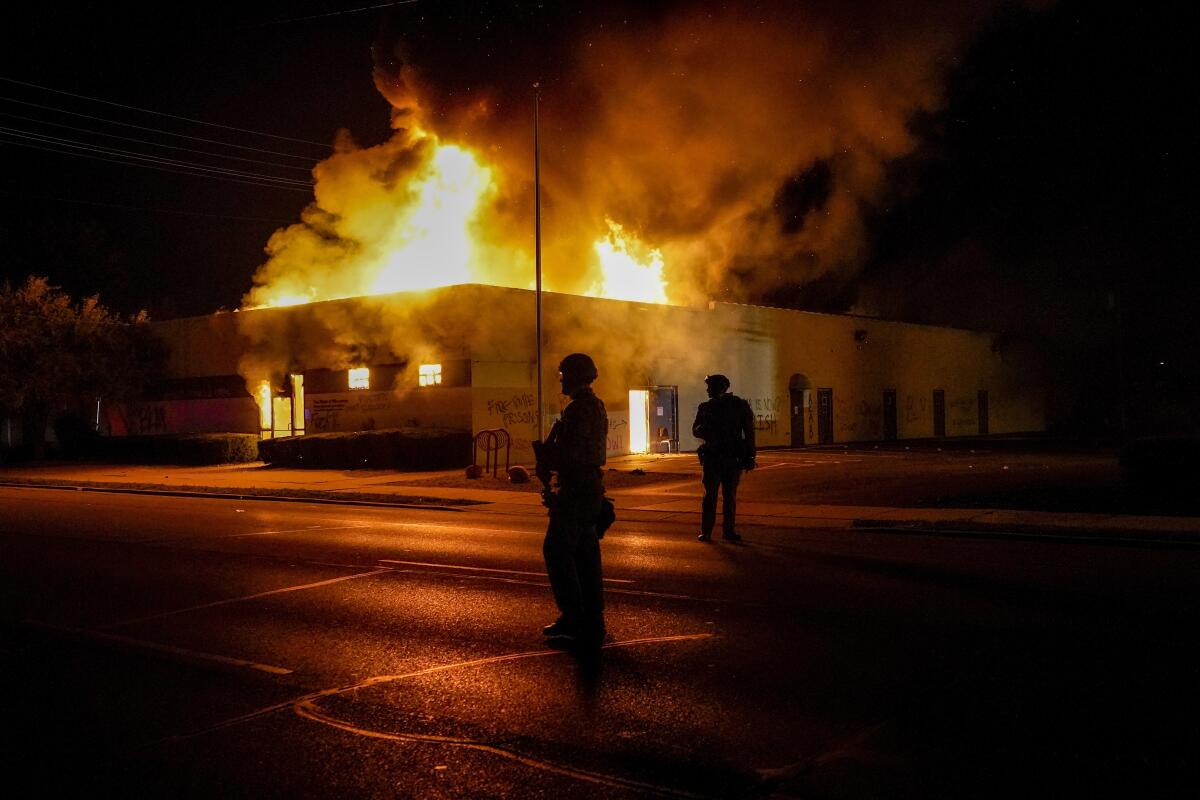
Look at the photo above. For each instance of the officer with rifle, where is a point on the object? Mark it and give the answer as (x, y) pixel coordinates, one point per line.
(573, 455)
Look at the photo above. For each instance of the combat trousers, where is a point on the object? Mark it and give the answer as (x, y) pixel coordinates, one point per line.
(724, 474)
(572, 554)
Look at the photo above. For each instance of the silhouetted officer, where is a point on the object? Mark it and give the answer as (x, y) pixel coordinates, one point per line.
(575, 452)
(726, 424)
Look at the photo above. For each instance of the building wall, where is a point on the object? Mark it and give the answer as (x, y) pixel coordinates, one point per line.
(484, 336)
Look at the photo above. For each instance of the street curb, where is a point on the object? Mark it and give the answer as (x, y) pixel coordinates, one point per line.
(235, 496)
(984, 530)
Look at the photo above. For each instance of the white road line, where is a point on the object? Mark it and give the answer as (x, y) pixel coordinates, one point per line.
(141, 644)
(295, 530)
(126, 622)
(481, 569)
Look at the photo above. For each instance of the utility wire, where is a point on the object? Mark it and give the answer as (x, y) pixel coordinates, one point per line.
(334, 13)
(152, 166)
(324, 145)
(154, 130)
(151, 143)
(130, 154)
(144, 208)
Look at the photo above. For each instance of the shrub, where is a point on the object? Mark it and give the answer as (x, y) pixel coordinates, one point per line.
(410, 449)
(188, 448)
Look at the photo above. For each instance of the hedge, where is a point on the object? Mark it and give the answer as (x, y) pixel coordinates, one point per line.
(191, 448)
(410, 449)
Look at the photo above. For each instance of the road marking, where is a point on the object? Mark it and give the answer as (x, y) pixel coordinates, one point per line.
(295, 530)
(142, 644)
(482, 569)
(306, 707)
(216, 603)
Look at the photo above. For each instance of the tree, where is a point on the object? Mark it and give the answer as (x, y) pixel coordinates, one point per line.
(55, 353)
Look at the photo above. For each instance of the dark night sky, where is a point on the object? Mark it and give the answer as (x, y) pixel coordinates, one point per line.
(1054, 173)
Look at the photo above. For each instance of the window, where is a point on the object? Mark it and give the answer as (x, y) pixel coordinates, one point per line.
(360, 378)
(429, 375)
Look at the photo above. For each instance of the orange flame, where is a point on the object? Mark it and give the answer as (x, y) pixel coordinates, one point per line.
(367, 234)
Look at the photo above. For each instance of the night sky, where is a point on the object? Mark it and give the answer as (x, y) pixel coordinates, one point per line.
(1048, 192)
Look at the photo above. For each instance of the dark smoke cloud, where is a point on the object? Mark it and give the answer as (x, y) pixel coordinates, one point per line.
(744, 140)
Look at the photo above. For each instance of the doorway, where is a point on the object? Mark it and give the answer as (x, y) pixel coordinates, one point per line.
(891, 427)
(654, 420)
(939, 412)
(825, 416)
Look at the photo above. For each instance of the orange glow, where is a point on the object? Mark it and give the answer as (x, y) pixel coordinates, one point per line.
(435, 224)
(429, 375)
(639, 421)
(264, 406)
(629, 270)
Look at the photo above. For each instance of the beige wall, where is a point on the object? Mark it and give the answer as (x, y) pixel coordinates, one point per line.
(635, 346)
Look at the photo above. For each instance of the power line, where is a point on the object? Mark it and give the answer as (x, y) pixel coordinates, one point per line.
(164, 114)
(152, 166)
(334, 13)
(152, 144)
(154, 130)
(144, 208)
(72, 144)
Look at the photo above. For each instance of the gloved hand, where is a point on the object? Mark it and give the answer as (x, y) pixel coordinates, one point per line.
(749, 464)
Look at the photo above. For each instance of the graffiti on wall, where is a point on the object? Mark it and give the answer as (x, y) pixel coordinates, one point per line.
(766, 414)
(916, 408)
(618, 433)
(870, 419)
(513, 411)
(519, 409)
(147, 419)
(326, 413)
(962, 414)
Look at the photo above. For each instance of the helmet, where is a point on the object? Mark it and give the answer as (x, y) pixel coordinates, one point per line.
(718, 382)
(580, 366)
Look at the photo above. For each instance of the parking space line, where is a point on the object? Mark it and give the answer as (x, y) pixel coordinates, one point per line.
(227, 601)
(481, 569)
(295, 530)
(172, 650)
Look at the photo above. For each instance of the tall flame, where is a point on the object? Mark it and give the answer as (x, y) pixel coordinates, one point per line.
(371, 233)
(629, 270)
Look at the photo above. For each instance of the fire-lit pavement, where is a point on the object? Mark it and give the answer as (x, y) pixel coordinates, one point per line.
(161, 645)
(986, 485)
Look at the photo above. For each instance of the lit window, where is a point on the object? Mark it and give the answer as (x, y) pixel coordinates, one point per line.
(429, 375)
(360, 378)
(264, 405)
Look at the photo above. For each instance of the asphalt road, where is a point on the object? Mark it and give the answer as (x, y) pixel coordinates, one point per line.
(202, 647)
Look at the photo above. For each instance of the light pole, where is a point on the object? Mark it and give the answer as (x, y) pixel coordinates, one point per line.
(537, 258)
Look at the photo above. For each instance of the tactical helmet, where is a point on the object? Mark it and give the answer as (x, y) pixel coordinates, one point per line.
(579, 365)
(717, 381)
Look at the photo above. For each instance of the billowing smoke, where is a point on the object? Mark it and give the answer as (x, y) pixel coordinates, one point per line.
(742, 142)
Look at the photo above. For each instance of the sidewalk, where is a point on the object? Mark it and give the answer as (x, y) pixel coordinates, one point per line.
(673, 496)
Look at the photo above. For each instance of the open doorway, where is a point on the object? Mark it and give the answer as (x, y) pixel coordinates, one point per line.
(654, 420)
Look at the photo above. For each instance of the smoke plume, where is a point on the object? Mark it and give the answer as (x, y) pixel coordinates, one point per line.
(742, 142)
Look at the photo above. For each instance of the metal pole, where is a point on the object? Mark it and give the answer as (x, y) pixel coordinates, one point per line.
(537, 258)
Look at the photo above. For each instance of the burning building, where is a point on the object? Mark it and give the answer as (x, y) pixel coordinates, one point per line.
(464, 357)
(705, 153)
